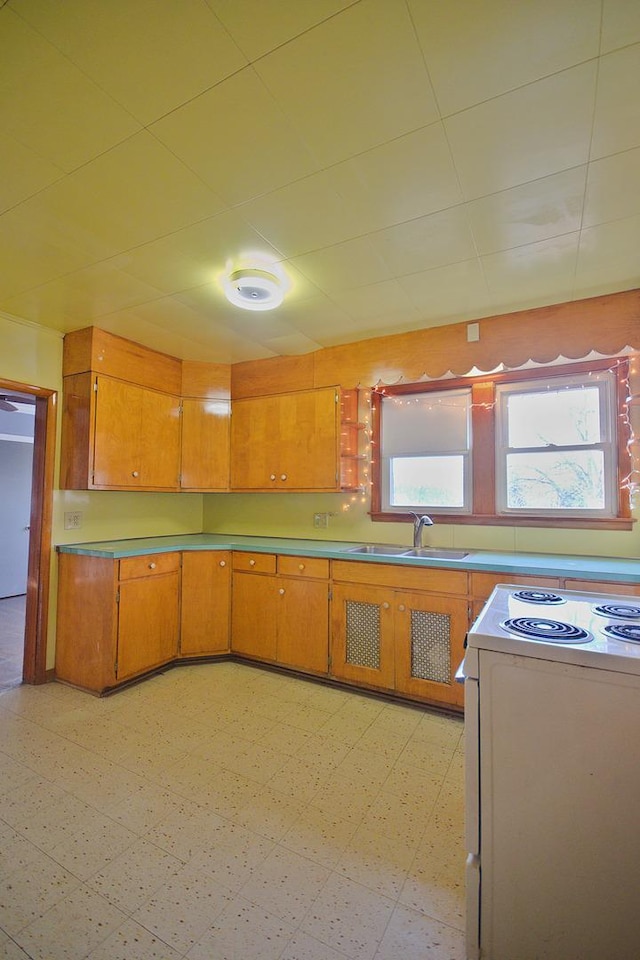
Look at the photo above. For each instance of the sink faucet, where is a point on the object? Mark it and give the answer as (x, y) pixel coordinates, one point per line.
(418, 524)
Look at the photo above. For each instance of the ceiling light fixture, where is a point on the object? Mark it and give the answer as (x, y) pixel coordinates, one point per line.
(255, 287)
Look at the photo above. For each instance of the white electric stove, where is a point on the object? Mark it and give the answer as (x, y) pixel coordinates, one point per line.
(552, 734)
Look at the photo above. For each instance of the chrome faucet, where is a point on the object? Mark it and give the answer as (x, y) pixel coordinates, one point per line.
(418, 524)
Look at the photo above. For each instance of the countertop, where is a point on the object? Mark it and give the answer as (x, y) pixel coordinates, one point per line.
(534, 564)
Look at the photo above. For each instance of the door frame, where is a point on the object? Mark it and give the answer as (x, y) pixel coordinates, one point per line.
(39, 566)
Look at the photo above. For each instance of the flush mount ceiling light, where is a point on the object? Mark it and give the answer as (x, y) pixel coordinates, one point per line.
(256, 288)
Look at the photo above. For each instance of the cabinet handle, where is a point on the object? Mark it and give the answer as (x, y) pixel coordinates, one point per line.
(385, 605)
(252, 563)
(152, 565)
(223, 563)
(134, 473)
(283, 476)
(281, 591)
(401, 607)
(301, 567)
(272, 477)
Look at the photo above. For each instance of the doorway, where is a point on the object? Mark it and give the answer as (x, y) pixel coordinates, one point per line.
(28, 419)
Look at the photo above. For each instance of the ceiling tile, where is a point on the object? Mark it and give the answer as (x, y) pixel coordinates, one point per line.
(448, 294)
(250, 146)
(360, 80)
(613, 188)
(525, 135)
(49, 105)
(81, 297)
(24, 172)
(538, 272)
(256, 30)
(620, 24)
(617, 116)
(292, 345)
(305, 215)
(354, 263)
(111, 204)
(404, 179)
(427, 242)
(529, 213)
(479, 51)
(386, 301)
(608, 258)
(149, 55)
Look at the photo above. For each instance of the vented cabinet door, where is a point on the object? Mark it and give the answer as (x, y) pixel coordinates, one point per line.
(430, 634)
(362, 635)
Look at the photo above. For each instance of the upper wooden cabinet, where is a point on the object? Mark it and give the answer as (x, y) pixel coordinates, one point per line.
(135, 419)
(291, 441)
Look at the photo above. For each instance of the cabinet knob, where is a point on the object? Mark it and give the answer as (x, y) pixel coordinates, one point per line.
(301, 566)
(272, 477)
(252, 563)
(385, 605)
(152, 565)
(401, 607)
(135, 473)
(223, 563)
(281, 591)
(283, 476)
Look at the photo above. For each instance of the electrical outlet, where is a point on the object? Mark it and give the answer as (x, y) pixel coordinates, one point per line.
(321, 521)
(73, 520)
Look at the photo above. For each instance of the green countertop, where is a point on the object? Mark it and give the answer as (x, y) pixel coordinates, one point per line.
(534, 564)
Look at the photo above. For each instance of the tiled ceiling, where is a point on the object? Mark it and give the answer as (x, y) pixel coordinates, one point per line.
(409, 162)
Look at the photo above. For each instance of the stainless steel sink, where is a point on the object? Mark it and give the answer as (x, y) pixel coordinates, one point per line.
(433, 553)
(379, 550)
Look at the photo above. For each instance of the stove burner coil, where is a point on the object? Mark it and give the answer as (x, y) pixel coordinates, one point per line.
(537, 628)
(624, 631)
(539, 596)
(623, 611)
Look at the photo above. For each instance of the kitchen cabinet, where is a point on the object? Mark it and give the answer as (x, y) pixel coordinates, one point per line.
(399, 629)
(206, 600)
(290, 441)
(206, 426)
(280, 610)
(599, 586)
(116, 618)
(118, 436)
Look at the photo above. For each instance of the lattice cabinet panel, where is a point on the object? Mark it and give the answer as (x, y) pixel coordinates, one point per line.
(431, 646)
(362, 635)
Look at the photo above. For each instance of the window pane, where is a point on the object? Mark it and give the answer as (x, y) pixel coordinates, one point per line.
(427, 482)
(425, 423)
(556, 480)
(561, 417)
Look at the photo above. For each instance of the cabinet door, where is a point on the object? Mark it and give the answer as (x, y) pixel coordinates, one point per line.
(253, 615)
(362, 638)
(309, 440)
(206, 596)
(117, 438)
(148, 623)
(254, 432)
(430, 634)
(303, 624)
(205, 444)
(160, 440)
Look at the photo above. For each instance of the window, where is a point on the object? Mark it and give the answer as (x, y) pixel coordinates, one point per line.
(506, 448)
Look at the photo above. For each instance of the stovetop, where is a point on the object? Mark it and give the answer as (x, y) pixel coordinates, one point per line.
(567, 625)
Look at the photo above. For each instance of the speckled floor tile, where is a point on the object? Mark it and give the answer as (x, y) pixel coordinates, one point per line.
(377, 862)
(303, 947)
(435, 887)
(319, 836)
(129, 880)
(133, 942)
(271, 814)
(234, 855)
(183, 908)
(243, 931)
(9, 949)
(186, 832)
(71, 928)
(349, 917)
(96, 844)
(32, 890)
(411, 936)
(285, 884)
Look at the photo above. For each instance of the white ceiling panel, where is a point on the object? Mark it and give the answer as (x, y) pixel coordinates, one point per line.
(408, 163)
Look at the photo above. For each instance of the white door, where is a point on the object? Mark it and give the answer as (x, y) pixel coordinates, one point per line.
(16, 459)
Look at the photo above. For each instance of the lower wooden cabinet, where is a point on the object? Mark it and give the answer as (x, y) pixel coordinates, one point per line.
(205, 602)
(401, 641)
(280, 610)
(116, 618)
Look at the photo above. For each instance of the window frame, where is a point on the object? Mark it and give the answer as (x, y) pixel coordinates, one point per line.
(484, 507)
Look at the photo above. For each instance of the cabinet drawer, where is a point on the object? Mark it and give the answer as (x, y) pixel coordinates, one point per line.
(316, 567)
(483, 583)
(255, 562)
(432, 579)
(149, 565)
(603, 586)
